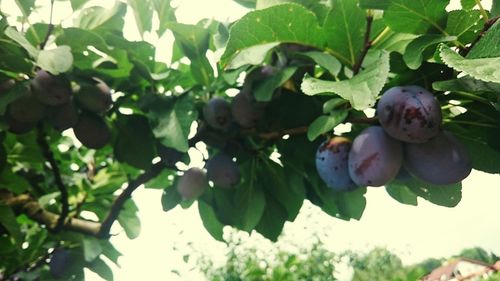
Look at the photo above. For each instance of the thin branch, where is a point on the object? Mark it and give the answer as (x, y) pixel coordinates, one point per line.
(484, 14)
(49, 156)
(481, 34)
(50, 28)
(363, 120)
(367, 44)
(117, 206)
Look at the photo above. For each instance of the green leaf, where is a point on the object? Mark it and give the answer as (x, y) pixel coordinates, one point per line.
(129, 220)
(489, 45)
(332, 104)
(13, 182)
(36, 33)
(289, 23)
(97, 16)
(460, 21)
(55, 61)
(416, 17)
(210, 221)
(401, 193)
(110, 251)
(102, 269)
(328, 62)
(192, 39)
(254, 55)
(483, 157)
(484, 69)
(251, 4)
(443, 195)
(21, 40)
(170, 198)
(250, 202)
(80, 39)
(264, 91)
(466, 84)
(143, 13)
(162, 181)
(325, 123)
(345, 28)
(91, 248)
(352, 204)
(320, 8)
(495, 8)
(361, 90)
(173, 121)
(165, 13)
(272, 220)
(26, 6)
(374, 4)
(395, 42)
(135, 143)
(413, 55)
(468, 4)
(77, 4)
(9, 222)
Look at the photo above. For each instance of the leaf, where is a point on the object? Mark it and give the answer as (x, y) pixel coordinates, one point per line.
(254, 55)
(460, 21)
(77, 4)
(173, 121)
(361, 90)
(26, 6)
(192, 39)
(396, 42)
(489, 45)
(325, 123)
(320, 8)
(110, 252)
(143, 14)
(21, 40)
(332, 104)
(80, 39)
(416, 17)
(210, 221)
(264, 91)
(13, 182)
(170, 198)
(401, 193)
(374, 4)
(101, 268)
(344, 30)
(328, 62)
(97, 16)
(289, 23)
(166, 14)
(484, 69)
(55, 61)
(135, 143)
(162, 181)
(443, 195)
(272, 220)
(9, 222)
(250, 202)
(352, 204)
(129, 220)
(483, 157)
(413, 55)
(468, 4)
(466, 84)
(91, 248)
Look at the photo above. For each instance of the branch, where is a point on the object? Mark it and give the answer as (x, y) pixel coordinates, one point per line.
(481, 34)
(30, 206)
(357, 67)
(117, 206)
(51, 26)
(49, 156)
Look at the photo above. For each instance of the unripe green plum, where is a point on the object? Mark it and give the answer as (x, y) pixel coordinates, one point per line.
(95, 97)
(92, 131)
(410, 114)
(64, 116)
(49, 89)
(217, 113)
(192, 183)
(331, 163)
(441, 160)
(223, 171)
(26, 109)
(245, 110)
(375, 158)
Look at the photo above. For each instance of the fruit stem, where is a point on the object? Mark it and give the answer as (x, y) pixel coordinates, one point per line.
(367, 44)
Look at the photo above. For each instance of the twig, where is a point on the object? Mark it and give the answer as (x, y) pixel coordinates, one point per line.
(481, 34)
(363, 120)
(484, 14)
(367, 44)
(50, 28)
(117, 206)
(49, 156)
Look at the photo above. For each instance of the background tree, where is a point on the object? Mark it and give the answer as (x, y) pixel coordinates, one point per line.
(87, 117)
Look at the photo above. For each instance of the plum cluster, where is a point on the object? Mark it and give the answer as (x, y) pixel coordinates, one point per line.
(52, 98)
(410, 137)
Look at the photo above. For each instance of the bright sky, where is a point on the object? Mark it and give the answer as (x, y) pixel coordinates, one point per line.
(414, 233)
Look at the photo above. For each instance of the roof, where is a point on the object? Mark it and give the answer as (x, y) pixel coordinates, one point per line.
(447, 270)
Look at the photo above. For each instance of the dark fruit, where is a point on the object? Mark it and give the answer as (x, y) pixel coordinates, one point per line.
(64, 116)
(331, 163)
(18, 127)
(245, 110)
(441, 160)
(95, 97)
(6, 85)
(410, 114)
(375, 158)
(217, 113)
(169, 155)
(223, 171)
(26, 109)
(59, 263)
(92, 131)
(192, 184)
(49, 89)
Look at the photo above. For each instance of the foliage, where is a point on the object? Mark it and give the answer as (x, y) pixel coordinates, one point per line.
(307, 67)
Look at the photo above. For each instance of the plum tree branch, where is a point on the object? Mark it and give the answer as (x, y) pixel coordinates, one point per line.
(487, 25)
(50, 27)
(367, 44)
(49, 156)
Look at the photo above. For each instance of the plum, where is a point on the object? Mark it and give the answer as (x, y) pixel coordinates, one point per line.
(245, 110)
(441, 160)
(64, 116)
(217, 113)
(375, 158)
(6, 85)
(49, 89)
(59, 263)
(223, 171)
(26, 109)
(192, 184)
(410, 114)
(95, 97)
(19, 127)
(331, 163)
(91, 130)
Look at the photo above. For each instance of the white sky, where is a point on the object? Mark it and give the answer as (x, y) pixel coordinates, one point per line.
(414, 233)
